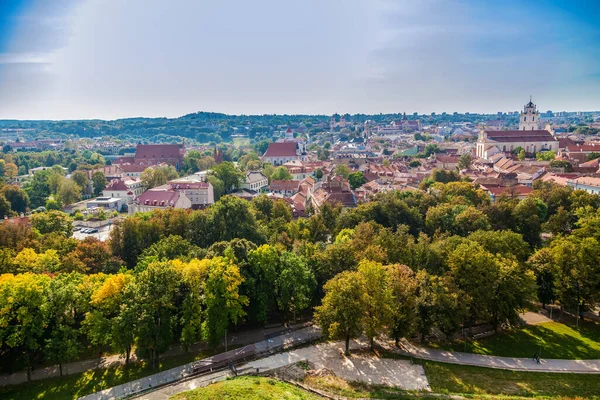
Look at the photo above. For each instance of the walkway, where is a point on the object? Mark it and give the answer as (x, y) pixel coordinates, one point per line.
(533, 318)
(277, 343)
(510, 363)
(356, 367)
(234, 339)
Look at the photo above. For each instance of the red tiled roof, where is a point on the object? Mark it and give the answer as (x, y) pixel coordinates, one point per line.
(523, 136)
(159, 198)
(149, 151)
(281, 149)
(284, 185)
(116, 184)
(584, 148)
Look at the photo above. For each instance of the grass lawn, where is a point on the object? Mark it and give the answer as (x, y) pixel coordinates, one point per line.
(248, 388)
(77, 385)
(553, 339)
(462, 379)
(469, 382)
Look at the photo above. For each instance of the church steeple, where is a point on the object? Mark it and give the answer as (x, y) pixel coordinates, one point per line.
(530, 117)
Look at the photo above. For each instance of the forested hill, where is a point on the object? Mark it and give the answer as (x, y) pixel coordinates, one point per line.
(207, 126)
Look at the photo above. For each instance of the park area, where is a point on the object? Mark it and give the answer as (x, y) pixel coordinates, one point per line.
(551, 339)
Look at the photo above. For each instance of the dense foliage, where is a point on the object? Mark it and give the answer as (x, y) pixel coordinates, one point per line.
(405, 264)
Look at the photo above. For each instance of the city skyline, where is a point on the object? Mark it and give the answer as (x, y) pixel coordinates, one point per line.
(107, 60)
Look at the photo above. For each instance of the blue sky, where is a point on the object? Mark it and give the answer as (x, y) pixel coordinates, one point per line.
(67, 59)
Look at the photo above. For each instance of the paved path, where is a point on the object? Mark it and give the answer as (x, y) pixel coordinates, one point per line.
(533, 318)
(510, 363)
(277, 343)
(233, 339)
(363, 368)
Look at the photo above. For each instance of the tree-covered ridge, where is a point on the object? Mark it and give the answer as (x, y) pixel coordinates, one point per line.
(216, 127)
(405, 264)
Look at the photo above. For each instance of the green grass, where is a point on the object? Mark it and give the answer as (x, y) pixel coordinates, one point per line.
(466, 380)
(248, 388)
(553, 339)
(77, 385)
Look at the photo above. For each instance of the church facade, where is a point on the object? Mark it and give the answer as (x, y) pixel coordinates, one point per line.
(529, 136)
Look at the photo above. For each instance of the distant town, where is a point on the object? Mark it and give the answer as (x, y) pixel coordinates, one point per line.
(341, 158)
(367, 255)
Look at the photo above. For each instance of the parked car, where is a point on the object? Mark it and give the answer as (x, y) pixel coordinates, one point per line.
(93, 230)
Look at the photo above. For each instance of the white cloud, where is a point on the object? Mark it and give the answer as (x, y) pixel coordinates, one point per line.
(113, 58)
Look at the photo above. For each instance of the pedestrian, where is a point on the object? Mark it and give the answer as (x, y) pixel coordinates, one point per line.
(538, 359)
(535, 356)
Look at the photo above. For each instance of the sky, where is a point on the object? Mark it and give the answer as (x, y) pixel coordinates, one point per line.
(107, 59)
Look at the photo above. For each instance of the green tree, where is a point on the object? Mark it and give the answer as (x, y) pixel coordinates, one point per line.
(68, 192)
(356, 179)
(38, 189)
(403, 285)
(318, 173)
(341, 311)
(262, 272)
(81, 179)
(17, 197)
(231, 177)
(522, 155)
(294, 285)
(25, 314)
(154, 297)
(99, 182)
(281, 174)
(5, 210)
(52, 221)
(545, 155)
(377, 299)
(64, 299)
(223, 302)
(342, 170)
(465, 161)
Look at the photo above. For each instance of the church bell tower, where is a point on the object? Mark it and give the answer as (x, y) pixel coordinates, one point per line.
(530, 117)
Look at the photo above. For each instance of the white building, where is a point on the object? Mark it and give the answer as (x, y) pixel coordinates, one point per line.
(530, 118)
(529, 137)
(255, 180)
(126, 189)
(587, 183)
(281, 152)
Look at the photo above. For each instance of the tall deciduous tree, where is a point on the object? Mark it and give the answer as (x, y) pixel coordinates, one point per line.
(340, 314)
(223, 302)
(98, 182)
(17, 197)
(231, 177)
(25, 314)
(294, 285)
(378, 299)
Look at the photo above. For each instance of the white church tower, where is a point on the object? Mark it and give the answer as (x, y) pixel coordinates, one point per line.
(530, 118)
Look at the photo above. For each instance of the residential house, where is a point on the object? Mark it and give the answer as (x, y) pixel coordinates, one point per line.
(255, 180)
(285, 188)
(126, 189)
(590, 184)
(334, 190)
